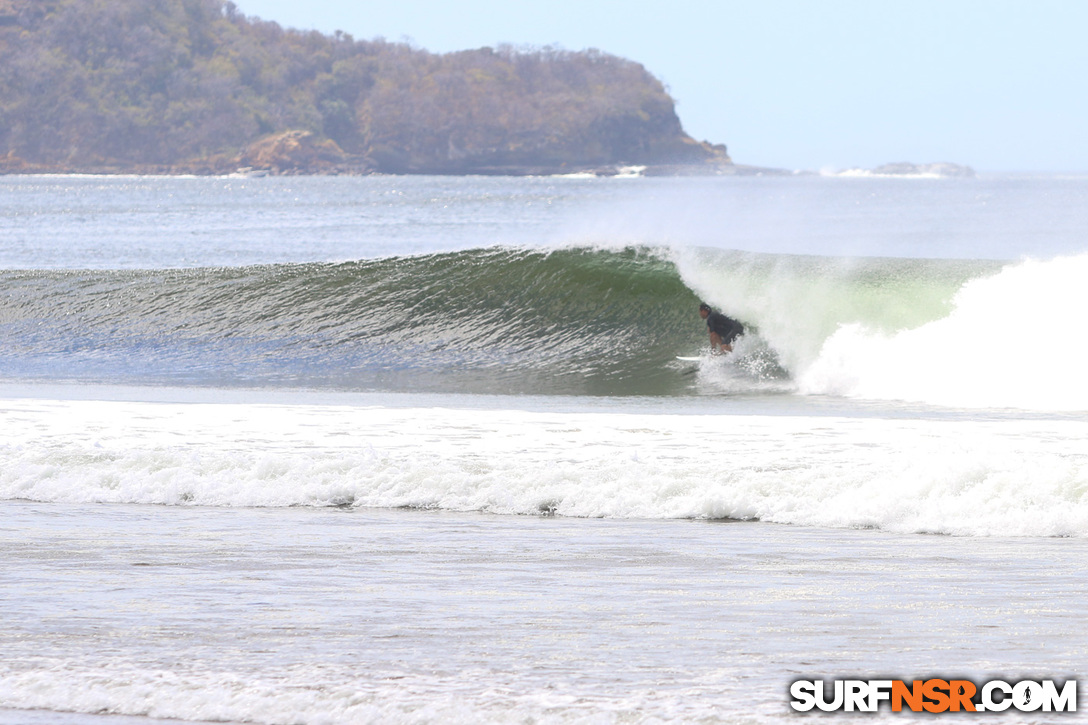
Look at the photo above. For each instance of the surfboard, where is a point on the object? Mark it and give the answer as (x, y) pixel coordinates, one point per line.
(688, 359)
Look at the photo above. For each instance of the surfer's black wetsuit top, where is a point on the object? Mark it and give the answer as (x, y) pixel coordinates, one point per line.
(727, 328)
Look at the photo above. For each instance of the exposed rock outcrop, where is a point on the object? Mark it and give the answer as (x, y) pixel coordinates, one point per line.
(296, 152)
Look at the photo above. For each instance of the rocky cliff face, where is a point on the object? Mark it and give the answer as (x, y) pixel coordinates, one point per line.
(194, 86)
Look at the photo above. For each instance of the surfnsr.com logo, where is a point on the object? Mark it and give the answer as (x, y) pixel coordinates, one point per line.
(934, 695)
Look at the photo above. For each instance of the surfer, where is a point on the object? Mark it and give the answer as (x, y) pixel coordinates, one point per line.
(723, 330)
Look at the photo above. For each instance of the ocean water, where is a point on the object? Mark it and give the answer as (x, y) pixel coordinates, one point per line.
(416, 449)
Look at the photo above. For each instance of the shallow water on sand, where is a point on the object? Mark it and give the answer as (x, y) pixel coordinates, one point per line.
(303, 615)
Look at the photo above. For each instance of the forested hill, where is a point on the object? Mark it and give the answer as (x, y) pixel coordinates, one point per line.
(175, 86)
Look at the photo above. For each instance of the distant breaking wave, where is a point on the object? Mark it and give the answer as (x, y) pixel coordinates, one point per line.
(575, 321)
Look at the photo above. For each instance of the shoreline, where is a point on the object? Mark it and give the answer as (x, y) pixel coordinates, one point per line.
(623, 171)
(594, 172)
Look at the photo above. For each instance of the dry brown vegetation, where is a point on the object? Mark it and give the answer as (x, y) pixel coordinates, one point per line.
(194, 85)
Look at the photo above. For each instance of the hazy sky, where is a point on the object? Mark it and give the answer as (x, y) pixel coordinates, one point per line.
(995, 84)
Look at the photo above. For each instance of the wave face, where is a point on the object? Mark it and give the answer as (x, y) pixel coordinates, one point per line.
(485, 321)
(566, 322)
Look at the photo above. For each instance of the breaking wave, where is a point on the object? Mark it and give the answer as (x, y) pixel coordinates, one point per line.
(575, 321)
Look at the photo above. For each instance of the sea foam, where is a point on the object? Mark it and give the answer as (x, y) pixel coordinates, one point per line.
(939, 332)
(1011, 340)
(986, 477)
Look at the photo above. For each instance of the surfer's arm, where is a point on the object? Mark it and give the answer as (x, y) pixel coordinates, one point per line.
(717, 347)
